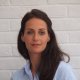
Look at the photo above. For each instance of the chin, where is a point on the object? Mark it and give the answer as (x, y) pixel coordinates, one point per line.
(37, 52)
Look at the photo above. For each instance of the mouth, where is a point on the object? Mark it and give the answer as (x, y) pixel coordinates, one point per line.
(35, 45)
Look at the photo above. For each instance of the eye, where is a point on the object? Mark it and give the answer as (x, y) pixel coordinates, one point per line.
(29, 32)
(41, 32)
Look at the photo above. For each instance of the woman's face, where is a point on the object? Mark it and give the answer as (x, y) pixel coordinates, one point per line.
(35, 35)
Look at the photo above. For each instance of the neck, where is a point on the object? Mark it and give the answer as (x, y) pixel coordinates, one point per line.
(35, 60)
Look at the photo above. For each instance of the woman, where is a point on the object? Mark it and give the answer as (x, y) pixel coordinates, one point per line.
(38, 45)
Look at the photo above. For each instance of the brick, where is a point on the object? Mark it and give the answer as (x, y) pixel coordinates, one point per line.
(5, 74)
(66, 24)
(71, 49)
(21, 11)
(57, 1)
(4, 25)
(11, 12)
(74, 1)
(28, 2)
(75, 62)
(62, 37)
(4, 12)
(63, 1)
(15, 24)
(4, 2)
(8, 37)
(55, 10)
(15, 50)
(5, 50)
(11, 63)
(74, 11)
(74, 36)
(77, 73)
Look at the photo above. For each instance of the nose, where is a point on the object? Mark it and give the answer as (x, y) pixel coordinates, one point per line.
(36, 37)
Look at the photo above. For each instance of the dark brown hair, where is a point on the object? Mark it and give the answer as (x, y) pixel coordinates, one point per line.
(51, 56)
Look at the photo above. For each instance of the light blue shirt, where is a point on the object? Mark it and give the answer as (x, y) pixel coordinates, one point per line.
(64, 72)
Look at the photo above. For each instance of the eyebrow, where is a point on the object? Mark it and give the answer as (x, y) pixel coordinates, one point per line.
(33, 29)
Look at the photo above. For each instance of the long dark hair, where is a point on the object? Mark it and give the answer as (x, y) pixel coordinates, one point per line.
(51, 56)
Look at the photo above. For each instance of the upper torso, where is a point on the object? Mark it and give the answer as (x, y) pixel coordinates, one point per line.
(63, 72)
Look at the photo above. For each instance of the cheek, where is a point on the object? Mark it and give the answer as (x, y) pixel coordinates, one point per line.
(44, 41)
(44, 44)
(27, 41)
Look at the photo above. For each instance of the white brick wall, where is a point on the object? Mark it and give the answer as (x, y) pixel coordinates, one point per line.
(65, 15)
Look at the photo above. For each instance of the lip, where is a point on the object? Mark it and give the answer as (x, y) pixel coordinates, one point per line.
(35, 45)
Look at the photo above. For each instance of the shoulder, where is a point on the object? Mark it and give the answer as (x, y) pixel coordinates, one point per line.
(63, 66)
(21, 73)
(18, 75)
(64, 72)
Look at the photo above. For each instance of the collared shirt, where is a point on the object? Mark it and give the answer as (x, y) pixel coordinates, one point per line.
(63, 72)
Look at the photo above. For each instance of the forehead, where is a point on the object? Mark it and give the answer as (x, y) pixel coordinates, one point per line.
(35, 23)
